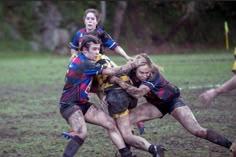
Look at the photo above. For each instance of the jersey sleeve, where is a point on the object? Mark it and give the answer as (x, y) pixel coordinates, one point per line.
(153, 81)
(94, 69)
(107, 40)
(74, 44)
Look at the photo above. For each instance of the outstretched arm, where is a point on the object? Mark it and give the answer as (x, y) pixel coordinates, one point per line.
(118, 70)
(124, 68)
(133, 91)
(227, 86)
(209, 95)
(121, 52)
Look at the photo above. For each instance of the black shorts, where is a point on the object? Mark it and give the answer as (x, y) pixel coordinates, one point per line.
(67, 110)
(119, 100)
(170, 106)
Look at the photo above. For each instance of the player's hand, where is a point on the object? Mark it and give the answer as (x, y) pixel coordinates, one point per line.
(73, 55)
(130, 59)
(208, 96)
(138, 61)
(113, 79)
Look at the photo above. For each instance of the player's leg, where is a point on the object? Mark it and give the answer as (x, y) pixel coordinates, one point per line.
(137, 141)
(75, 118)
(144, 112)
(185, 116)
(98, 117)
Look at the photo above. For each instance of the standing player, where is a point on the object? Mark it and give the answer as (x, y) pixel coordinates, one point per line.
(75, 107)
(91, 20)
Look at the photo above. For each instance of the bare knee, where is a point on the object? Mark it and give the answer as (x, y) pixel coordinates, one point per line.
(110, 125)
(81, 132)
(128, 140)
(78, 125)
(201, 133)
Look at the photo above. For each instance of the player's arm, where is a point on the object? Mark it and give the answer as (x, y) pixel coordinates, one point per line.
(119, 69)
(122, 53)
(73, 53)
(133, 91)
(111, 44)
(74, 44)
(227, 86)
(124, 68)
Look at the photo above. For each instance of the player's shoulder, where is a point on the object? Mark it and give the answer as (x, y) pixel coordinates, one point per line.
(81, 31)
(100, 29)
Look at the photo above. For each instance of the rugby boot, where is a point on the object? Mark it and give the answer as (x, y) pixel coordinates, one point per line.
(233, 148)
(68, 135)
(158, 151)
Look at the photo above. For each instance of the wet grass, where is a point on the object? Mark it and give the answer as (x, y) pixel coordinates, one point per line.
(30, 123)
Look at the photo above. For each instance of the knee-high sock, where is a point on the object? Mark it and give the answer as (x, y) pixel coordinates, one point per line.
(73, 146)
(216, 138)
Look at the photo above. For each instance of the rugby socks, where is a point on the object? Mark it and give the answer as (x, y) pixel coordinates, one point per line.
(125, 152)
(73, 146)
(216, 138)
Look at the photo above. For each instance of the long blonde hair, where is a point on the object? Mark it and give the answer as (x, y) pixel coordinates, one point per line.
(149, 62)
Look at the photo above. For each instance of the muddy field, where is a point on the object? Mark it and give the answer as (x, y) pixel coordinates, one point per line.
(31, 125)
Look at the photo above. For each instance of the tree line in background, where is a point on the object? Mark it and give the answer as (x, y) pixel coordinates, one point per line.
(51, 24)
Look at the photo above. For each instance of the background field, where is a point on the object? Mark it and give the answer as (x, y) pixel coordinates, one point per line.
(30, 123)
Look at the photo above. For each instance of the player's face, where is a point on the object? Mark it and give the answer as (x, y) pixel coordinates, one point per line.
(93, 52)
(90, 22)
(143, 72)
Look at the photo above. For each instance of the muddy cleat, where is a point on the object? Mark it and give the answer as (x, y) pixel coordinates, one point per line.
(159, 151)
(233, 148)
(68, 135)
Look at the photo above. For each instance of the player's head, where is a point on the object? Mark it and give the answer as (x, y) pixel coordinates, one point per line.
(143, 72)
(91, 19)
(90, 46)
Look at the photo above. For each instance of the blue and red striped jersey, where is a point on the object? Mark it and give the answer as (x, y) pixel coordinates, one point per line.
(78, 79)
(78, 36)
(161, 90)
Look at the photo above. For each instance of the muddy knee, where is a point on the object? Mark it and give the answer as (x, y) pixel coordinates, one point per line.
(200, 133)
(110, 125)
(82, 133)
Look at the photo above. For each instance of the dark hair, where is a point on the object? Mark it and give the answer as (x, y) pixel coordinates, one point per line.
(87, 40)
(91, 10)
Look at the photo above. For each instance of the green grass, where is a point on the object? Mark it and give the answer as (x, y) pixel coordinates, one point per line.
(30, 89)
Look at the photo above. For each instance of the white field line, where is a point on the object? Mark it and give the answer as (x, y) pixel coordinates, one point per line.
(200, 87)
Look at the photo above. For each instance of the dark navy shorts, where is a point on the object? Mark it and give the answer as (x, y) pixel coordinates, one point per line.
(68, 109)
(119, 101)
(170, 106)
